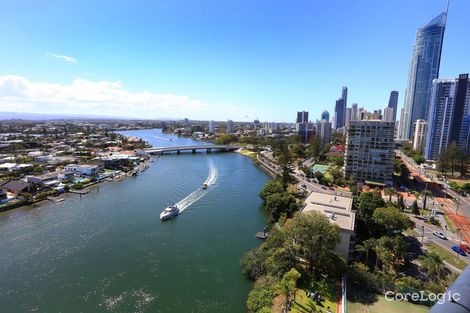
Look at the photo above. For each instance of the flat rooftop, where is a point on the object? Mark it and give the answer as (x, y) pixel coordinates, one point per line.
(337, 208)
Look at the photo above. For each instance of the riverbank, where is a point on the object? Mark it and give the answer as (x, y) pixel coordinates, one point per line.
(142, 166)
(125, 255)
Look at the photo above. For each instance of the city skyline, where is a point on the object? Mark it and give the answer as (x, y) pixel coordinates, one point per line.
(262, 70)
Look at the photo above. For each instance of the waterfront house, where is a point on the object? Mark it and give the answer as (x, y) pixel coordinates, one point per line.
(339, 211)
(64, 176)
(82, 169)
(16, 186)
(7, 166)
(47, 179)
(3, 197)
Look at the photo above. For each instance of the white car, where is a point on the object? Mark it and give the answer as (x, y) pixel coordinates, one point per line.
(439, 234)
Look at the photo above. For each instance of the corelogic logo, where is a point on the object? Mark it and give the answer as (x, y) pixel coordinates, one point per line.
(423, 296)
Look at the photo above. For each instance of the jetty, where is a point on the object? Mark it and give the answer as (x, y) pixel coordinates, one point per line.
(80, 192)
(262, 235)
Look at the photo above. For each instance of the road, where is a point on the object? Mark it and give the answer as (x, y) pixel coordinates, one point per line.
(310, 186)
(429, 236)
(459, 213)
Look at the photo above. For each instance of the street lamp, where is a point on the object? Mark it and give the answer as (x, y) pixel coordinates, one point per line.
(422, 236)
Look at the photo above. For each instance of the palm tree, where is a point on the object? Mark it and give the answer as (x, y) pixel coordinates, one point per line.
(365, 247)
(424, 195)
(390, 192)
(434, 265)
(401, 203)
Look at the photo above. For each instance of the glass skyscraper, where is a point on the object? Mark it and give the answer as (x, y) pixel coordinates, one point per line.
(449, 116)
(393, 103)
(424, 67)
(339, 119)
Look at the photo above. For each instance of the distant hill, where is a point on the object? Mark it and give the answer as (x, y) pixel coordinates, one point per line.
(51, 116)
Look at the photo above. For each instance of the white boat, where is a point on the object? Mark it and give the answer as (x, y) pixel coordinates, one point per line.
(169, 212)
(204, 186)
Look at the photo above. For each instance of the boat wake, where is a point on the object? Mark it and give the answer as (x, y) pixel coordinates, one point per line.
(199, 193)
(162, 138)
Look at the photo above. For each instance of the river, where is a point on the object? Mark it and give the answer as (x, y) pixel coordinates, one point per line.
(108, 251)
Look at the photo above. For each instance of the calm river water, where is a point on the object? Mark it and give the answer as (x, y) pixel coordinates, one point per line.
(109, 252)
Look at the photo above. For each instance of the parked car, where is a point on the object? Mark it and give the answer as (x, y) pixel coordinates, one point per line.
(439, 234)
(323, 187)
(465, 247)
(458, 250)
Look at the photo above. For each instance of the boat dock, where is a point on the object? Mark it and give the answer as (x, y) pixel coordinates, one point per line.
(262, 235)
(80, 192)
(55, 199)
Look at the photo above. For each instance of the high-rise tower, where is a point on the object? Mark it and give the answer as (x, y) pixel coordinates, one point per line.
(423, 68)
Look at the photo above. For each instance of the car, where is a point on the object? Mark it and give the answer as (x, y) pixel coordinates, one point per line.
(465, 247)
(458, 250)
(323, 187)
(439, 234)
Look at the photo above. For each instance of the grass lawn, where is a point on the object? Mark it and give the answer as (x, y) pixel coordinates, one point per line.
(411, 233)
(248, 153)
(450, 223)
(384, 306)
(448, 255)
(328, 176)
(459, 182)
(303, 304)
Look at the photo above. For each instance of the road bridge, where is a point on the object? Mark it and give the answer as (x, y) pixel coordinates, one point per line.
(193, 149)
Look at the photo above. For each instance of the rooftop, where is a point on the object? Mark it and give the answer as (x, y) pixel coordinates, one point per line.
(337, 208)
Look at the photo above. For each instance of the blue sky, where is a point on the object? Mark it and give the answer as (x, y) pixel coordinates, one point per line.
(213, 59)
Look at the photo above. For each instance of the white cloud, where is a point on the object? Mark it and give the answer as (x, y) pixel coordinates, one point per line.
(62, 57)
(106, 98)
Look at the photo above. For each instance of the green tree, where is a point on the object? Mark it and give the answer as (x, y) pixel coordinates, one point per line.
(391, 220)
(315, 240)
(462, 160)
(424, 195)
(366, 204)
(418, 158)
(366, 246)
(401, 203)
(27, 197)
(443, 163)
(390, 192)
(260, 298)
(404, 172)
(271, 187)
(279, 203)
(226, 139)
(287, 286)
(415, 208)
(451, 153)
(314, 147)
(253, 263)
(433, 265)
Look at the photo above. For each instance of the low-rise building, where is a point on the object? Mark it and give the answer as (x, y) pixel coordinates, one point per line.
(47, 179)
(82, 169)
(339, 211)
(16, 186)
